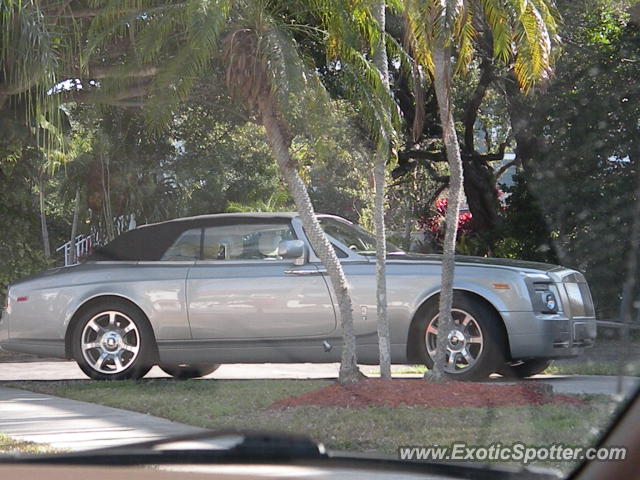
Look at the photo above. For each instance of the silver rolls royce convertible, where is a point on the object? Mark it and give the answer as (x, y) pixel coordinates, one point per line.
(192, 293)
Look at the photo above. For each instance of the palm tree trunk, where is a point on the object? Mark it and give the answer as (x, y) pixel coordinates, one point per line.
(349, 372)
(43, 223)
(73, 257)
(442, 84)
(379, 172)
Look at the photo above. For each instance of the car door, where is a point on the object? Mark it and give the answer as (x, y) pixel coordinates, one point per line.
(241, 289)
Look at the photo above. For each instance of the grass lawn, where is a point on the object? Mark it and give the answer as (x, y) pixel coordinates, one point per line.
(10, 445)
(243, 404)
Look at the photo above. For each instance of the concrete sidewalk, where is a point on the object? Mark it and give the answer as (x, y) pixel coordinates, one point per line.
(74, 425)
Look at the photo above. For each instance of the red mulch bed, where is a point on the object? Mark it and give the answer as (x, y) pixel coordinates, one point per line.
(418, 392)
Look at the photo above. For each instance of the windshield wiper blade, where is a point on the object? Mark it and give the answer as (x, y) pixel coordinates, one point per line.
(210, 447)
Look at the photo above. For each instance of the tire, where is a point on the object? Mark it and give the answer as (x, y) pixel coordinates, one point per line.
(185, 372)
(524, 369)
(481, 338)
(112, 340)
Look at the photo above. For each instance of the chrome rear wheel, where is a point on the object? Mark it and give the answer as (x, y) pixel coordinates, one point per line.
(113, 340)
(110, 342)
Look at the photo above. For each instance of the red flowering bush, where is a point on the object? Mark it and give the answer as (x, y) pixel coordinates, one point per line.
(435, 223)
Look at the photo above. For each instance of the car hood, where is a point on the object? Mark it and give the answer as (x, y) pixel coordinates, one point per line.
(468, 260)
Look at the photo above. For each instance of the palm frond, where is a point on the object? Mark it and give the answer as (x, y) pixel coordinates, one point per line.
(464, 37)
(398, 53)
(420, 32)
(382, 114)
(498, 18)
(550, 17)
(285, 65)
(533, 48)
(33, 49)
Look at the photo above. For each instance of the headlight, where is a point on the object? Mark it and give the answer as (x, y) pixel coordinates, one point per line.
(547, 298)
(550, 302)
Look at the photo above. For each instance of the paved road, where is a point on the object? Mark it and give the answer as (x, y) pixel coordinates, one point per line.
(56, 370)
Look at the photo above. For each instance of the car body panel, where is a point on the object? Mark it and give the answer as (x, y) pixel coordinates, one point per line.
(248, 299)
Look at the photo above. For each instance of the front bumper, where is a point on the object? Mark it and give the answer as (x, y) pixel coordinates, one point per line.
(548, 336)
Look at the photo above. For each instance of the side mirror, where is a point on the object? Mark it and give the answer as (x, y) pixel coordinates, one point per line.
(293, 249)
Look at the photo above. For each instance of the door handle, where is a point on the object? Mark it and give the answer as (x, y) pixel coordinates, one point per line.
(305, 272)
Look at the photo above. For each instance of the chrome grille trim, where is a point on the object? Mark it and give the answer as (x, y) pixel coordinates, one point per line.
(580, 302)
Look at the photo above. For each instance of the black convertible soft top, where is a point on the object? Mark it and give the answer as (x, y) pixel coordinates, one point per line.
(140, 244)
(150, 242)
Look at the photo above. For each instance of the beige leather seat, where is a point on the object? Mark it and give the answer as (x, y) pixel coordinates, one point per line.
(268, 244)
(233, 248)
(183, 251)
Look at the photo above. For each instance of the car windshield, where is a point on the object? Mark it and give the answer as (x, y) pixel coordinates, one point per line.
(403, 230)
(354, 237)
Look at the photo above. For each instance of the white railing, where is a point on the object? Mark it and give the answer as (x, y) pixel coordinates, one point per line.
(82, 245)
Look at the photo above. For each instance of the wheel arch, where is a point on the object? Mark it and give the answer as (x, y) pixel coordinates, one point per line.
(89, 303)
(413, 355)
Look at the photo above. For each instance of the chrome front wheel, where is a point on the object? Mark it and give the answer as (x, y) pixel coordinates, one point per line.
(465, 341)
(476, 343)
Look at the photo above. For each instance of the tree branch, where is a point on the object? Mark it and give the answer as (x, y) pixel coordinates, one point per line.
(490, 157)
(100, 71)
(125, 103)
(506, 167)
(26, 84)
(85, 13)
(499, 155)
(55, 10)
(94, 95)
(471, 112)
(423, 155)
(409, 159)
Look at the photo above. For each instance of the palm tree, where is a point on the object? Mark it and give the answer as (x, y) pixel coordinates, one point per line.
(379, 174)
(254, 40)
(367, 87)
(522, 33)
